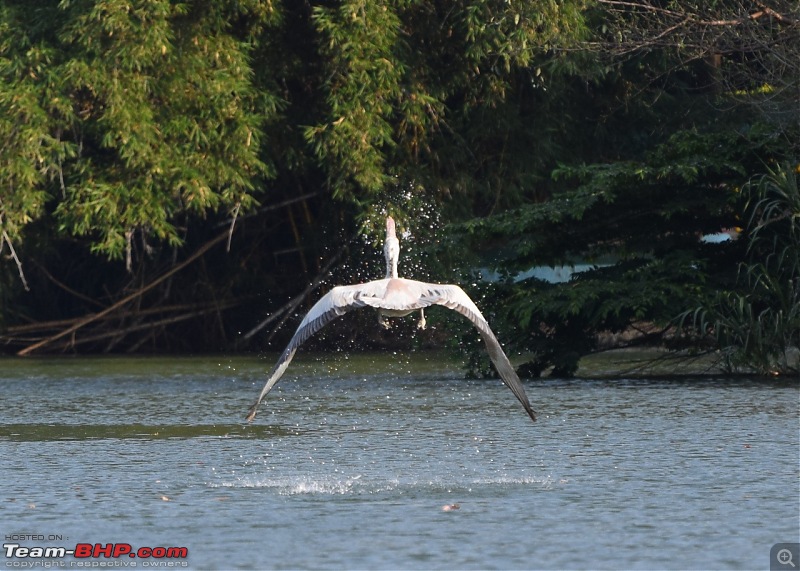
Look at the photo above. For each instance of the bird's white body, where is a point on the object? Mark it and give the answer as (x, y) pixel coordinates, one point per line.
(395, 297)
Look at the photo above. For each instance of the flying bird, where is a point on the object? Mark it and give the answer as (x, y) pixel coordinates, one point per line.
(395, 297)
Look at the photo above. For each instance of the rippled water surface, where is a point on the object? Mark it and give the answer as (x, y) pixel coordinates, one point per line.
(350, 463)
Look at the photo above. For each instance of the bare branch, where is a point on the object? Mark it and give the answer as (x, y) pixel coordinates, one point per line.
(640, 6)
(269, 207)
(7, 240)
(65, 287)
(233, 224)
(287, 309)
(129, 250)
(95, 316)
(753, 43)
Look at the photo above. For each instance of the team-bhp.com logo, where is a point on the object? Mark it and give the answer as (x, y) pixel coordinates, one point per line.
(94, 554)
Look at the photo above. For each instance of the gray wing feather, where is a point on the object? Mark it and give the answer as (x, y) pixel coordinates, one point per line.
(455, 298)
(336, 302)
(342, 299)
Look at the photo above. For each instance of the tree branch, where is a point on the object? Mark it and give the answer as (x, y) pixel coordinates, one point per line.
(7, 240)
(289, 307)
(95, 316)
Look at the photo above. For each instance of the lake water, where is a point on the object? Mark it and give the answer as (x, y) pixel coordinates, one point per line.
(350, 463)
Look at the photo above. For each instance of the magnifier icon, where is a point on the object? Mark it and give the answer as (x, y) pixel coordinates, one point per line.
(784, 557)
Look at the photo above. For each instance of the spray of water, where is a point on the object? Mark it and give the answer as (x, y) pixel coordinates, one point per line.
(418, 221)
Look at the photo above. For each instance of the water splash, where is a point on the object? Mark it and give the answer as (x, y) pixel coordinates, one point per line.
(359, 485)
(418, 218)
(303, 485)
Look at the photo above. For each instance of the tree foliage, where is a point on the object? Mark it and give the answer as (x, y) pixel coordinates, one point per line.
(744, 45)
(137, 135)
(756, 322)
(636, 227)
(676, 135)
(134, 128)
(410, 87)
(124, 117)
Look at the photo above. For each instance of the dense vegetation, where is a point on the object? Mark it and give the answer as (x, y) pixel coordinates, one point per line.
(184, 176)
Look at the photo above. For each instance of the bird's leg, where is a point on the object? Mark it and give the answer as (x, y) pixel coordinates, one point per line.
(422, 324)
(383, 322)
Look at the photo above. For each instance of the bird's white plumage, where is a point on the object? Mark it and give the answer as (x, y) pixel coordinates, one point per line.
(394, 297)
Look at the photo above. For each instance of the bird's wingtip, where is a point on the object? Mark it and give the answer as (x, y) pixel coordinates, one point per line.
(251, 414)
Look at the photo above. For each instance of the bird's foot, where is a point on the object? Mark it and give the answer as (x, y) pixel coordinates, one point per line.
(383, 322)
(422, 324)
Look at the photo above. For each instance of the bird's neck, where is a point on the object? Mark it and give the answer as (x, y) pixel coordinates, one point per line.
(391, 249)
(391, 269)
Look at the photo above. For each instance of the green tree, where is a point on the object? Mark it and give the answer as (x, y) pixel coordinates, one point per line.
(756, 323)
(636, 227)
(675, 135)
(123, 117)
(425, 97)
(134, 129)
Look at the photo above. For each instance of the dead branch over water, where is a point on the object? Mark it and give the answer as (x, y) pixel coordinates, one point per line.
(66, 331)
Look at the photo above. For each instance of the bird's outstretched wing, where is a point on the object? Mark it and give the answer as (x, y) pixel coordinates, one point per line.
(453, 297)
(336, 302)
(395, 295)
